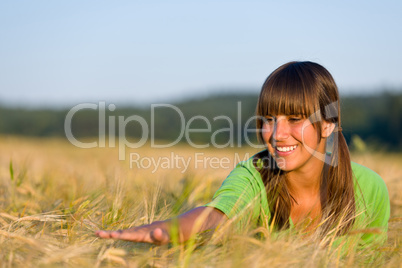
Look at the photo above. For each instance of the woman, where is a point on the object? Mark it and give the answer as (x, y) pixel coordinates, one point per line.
(303, 181)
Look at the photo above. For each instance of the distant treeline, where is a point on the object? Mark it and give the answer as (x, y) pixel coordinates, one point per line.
(376, 119)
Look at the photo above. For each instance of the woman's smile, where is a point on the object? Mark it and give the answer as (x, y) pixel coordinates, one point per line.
(285, 150)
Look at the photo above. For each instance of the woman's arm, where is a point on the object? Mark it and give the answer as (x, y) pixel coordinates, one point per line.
(194, 221)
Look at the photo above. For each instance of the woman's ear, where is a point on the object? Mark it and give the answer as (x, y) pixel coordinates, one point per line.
(327, 129)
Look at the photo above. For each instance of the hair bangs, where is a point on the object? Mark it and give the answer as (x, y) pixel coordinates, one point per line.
(289, 92)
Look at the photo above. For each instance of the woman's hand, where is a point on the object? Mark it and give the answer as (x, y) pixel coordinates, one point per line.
(155, 233)
(194, 221)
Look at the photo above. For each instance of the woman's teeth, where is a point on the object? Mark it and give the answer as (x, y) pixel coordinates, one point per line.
(286, 149)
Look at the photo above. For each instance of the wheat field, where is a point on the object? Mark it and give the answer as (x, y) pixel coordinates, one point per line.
(54, 196)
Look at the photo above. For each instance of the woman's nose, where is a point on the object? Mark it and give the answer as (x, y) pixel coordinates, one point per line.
(281, 130)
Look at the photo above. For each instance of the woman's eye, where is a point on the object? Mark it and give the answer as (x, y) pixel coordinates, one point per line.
(295, 119)
(269, 120)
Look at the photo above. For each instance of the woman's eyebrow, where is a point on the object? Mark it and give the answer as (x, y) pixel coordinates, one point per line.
(269, 115)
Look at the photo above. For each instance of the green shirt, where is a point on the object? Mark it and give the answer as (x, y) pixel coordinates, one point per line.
(242, 196)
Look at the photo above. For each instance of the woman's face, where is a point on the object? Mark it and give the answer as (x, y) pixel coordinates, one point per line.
(293, 141)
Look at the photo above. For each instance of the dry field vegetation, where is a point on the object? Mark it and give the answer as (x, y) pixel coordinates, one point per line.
(54, 196)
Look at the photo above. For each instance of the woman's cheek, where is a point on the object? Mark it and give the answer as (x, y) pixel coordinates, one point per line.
(307, 135)
(266, 133)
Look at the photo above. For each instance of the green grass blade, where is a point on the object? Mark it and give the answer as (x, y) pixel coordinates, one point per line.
(11, 171)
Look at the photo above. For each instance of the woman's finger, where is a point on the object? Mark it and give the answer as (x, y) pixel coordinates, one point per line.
(158, 236)
(102, 234)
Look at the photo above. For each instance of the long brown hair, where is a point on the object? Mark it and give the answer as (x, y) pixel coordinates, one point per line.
(308, 89)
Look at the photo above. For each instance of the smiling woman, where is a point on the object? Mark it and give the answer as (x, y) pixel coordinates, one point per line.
(301, 101)
(303, 181)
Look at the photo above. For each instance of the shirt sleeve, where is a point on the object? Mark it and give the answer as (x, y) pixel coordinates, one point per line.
(374, 200)
(380, 214)
(240, 195)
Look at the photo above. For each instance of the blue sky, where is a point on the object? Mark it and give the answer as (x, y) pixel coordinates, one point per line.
(60, 53)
